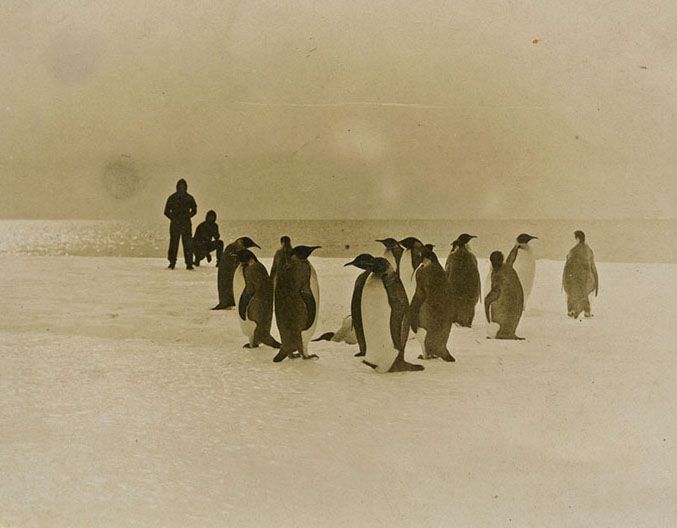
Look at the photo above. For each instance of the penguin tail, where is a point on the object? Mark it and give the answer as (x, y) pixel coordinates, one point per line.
(324, 337)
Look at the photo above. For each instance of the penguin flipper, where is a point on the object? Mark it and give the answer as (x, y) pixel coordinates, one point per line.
(245, 300)
(311, 307)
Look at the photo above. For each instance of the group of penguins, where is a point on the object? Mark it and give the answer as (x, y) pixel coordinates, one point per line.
(401, 295)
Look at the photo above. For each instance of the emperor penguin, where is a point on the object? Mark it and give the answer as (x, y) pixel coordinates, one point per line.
(385, 319)
(580, 277)
(364, 262)
(226, 271)
(297, 301)
(254, 295)
(504, 304)
(464, 280)
(411, 259)
(431, 312)
(393, 252)
(524, 263)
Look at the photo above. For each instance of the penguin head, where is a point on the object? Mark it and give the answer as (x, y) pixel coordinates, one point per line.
(524, 238)
(380, 266)
(285, 241)
(462, 240)
(579, 235)
(211, 217)
(389, 243)
(303, 252)
(410, 243)
(428, 253)
(247, 242)
(244, 256)
(496, 259)
(363, 261)
(182, 185)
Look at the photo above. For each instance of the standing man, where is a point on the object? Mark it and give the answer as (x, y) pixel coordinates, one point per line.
(180, 208)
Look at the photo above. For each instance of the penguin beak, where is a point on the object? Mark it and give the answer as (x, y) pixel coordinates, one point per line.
(473, 236)
(351, 263)
(256, 245)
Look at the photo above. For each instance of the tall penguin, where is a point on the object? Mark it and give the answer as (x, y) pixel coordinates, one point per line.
(411, 259)
(226, 270)
(432, 312)
(364, 262)
(385, 319)
(393, 252)
(254, 296)
(504, 304)
(297, 301)
(524, 263)
(580, 277)
(464, 280)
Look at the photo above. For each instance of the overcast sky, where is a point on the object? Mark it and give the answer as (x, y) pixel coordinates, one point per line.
(334, 109)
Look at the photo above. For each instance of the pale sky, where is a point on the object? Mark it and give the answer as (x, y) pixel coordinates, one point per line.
(339, 109)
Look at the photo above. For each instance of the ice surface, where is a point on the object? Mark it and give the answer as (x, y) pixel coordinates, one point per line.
(126, 401)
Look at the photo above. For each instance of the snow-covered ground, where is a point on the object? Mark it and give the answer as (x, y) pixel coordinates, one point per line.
(125, 401)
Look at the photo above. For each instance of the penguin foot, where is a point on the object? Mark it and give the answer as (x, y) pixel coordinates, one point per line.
(403, 366)
(311, 356)
(280, 356)
(447, 357)
(247, 345)
(360, 354)
(222, 307)
(588, 314)
(294, 355)
(369, 364)
(425, 357)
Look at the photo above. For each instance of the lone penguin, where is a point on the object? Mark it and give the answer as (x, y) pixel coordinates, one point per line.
(464, 280)
(580, 277)
(385, 318)
(226, 270)
(345, 334)
(364, 262)
(254, 295)
(431, 311)
(297, 300)
(523, 261)
(504, 304)
(393, 252)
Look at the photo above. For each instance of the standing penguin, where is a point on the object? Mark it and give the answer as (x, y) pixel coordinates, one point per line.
(385, 319)
(503, 305)
(431, 311)
(524, 263)
(393, 252)
(297, 300)
(363, 262)
(410, 260)
(226, 270)
(464, 280)
(253, 291)
(580, 277)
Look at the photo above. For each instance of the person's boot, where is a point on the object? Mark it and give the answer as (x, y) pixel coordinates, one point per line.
(171, 265)
(189, 266)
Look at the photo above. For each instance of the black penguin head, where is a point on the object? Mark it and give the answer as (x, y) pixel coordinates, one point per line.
(247, 242)
(389, 243)
(579, 235)
(285, 241)
(428, 252)
(363, 261)
(244, 256)
(210, 217)
(462, 240)
(380, 266)
(303, 252)
(496, 259)
(181, 185)
(524, 238)
(410, 243)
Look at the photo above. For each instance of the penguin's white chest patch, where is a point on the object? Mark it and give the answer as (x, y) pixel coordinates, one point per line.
(376, 325)
(407, 274)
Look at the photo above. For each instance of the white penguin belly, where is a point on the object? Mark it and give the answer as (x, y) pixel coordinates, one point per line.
(525, 267)
(307, 335)
(248, 327)
(376, 325)
(407, 275)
